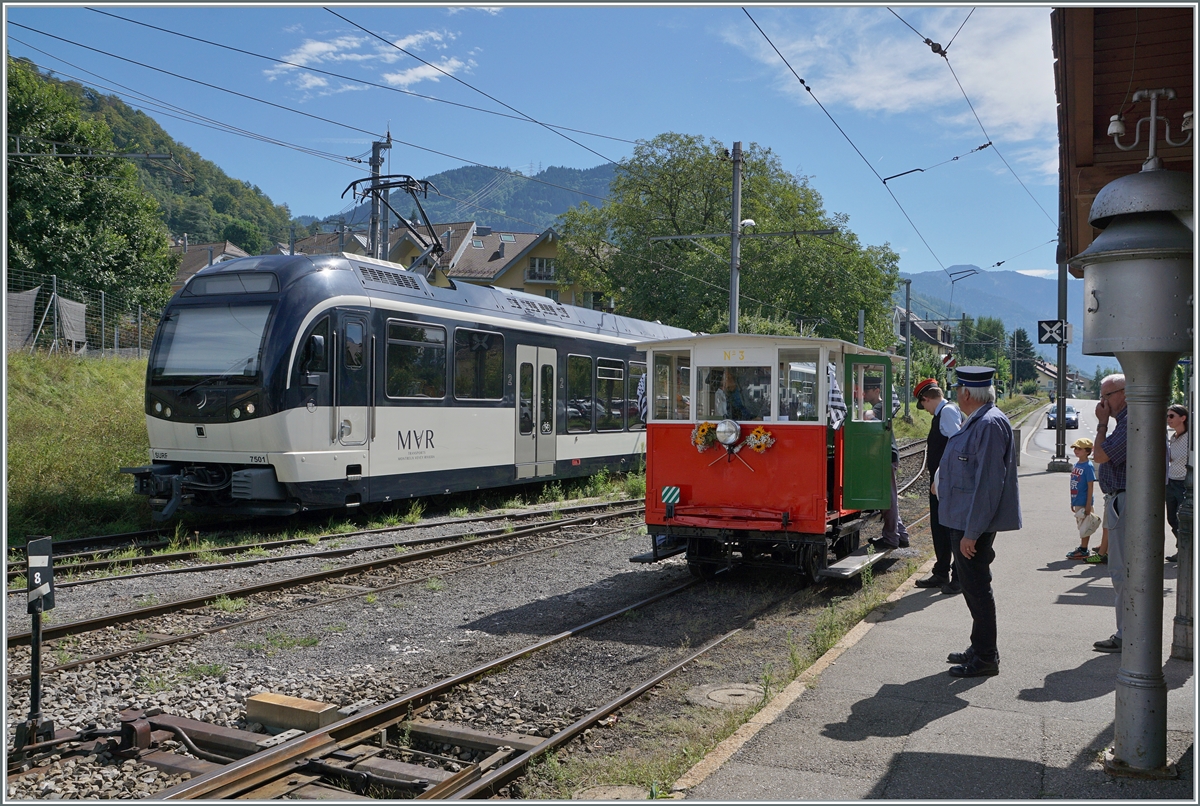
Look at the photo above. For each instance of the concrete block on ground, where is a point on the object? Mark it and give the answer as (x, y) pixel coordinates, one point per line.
(282, 711)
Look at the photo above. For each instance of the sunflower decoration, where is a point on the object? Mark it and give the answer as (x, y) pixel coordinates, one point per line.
(704, 436)
(759, 440)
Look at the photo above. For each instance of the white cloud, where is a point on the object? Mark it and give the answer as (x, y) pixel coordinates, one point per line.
(868, 60)
(309, 81)
(1046, 273)
(490, 10)
(414, 75)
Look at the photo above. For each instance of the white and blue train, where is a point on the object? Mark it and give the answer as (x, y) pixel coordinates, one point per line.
(277, 384)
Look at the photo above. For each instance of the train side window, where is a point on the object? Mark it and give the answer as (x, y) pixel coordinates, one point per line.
(416, 360)
(866, 402)
(797, 384)
(525, 399)
(314, 358)
(579, 393)
(478, 365)
(610, 394)
(672, 385)
(354, 345)
(637, 396)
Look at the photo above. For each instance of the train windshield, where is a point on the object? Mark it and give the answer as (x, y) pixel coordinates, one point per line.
(217, 341)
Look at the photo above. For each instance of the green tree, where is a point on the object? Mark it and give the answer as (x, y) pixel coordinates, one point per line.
(245, 234)
(680, 185)
(1024, 355)
(84, 219)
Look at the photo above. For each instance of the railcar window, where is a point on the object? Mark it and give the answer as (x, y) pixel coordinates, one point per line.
(478, 365)
(866, 401)
(320, 362)
(672, 385)
(733, 393)
(798, 385)
(525, 399)
(416, 360)
(235, 283)
(579, 393)
(220, 340)
(637, 396)
(354, 345)
(610, 394)
(546, 416)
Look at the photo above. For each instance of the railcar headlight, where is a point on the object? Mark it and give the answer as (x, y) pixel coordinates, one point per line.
(236, 413)
(728, 432)
(168, 411)
(249, 408)
(158, 406)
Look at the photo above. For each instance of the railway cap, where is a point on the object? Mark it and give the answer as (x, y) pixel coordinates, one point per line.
(975, 377)
(873, 382)
(927, 385)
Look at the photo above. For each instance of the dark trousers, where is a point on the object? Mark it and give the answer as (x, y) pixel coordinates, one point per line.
(1175, 491)
(975, 575)
(942, 566)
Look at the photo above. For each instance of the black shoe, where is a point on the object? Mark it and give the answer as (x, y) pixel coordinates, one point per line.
(903, 544)
(952, 589)
(1174, 558)
(976, 667)
(879, 545)
(932, 581)
(961, 657)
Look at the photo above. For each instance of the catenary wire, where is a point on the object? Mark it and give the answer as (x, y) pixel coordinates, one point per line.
(851, 142)
(956, 33)
(467, 85)
(307, 114)
(359, 80)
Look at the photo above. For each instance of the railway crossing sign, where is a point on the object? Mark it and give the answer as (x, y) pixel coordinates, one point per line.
(1054, 331)
(948, 361)
(40, 573)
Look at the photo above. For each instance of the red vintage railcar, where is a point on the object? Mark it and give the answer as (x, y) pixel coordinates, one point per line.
(766, 450)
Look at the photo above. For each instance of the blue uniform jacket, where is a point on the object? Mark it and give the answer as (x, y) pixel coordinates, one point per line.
(977, 483)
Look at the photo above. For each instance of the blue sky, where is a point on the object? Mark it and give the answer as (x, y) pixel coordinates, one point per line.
(625, 72)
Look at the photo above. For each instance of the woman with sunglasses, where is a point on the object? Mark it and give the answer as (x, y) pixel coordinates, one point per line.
(1177, 455)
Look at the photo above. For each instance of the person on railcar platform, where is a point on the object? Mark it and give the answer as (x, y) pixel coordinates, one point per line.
(946, 421)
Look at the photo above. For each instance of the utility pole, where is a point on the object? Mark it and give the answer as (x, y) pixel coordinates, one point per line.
(735, 248)
(908, 384)
(376, 163)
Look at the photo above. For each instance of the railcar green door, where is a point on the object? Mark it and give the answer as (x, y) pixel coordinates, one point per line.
(867, 443)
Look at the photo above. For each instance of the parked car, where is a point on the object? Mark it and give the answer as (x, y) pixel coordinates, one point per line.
(1071, 419)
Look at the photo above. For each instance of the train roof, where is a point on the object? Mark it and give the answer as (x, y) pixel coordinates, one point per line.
(381, 279)
(756, 340)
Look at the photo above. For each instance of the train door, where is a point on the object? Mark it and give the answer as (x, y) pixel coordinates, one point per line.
(352, 387)
(867, 439)
(537, 369)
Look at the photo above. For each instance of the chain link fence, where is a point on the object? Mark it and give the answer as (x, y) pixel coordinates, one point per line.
(44, 312)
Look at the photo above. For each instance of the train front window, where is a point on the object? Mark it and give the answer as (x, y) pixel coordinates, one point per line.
(798, 385)
(733, 393)
(211, 341)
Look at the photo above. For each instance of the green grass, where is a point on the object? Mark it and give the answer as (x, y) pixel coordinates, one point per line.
(283, 641)
(227, 605)
(72, 423)
(199, 671)
(435, 584)
(415, 511)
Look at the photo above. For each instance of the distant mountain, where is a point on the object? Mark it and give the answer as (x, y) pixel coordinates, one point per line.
(504, 201)
(1019, 300)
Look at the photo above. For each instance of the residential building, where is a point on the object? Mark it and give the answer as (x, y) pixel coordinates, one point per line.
(198, 255)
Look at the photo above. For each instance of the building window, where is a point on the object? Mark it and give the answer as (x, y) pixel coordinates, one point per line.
(541, 270)
(476, 243)
(594, 300)
(416, 360)
(508, 238)
(552, 293)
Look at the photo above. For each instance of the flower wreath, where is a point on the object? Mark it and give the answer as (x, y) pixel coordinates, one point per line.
(704, 436)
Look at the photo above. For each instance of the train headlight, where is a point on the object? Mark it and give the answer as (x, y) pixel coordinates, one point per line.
(167, 411)
(249, 408)
(728, 432)
(158, 406)
(236, 413)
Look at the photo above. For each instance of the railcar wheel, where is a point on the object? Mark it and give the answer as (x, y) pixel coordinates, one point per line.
(702, 570)
(703, 558)
(812, 561)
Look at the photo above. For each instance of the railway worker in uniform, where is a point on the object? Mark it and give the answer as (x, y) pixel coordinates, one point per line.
(978, 497)
(895, 534)
(946, 422)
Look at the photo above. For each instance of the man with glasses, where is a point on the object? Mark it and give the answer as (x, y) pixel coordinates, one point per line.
(1109, 456)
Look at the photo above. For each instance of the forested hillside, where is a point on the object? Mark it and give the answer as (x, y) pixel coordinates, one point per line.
(213, 205)
(501, 200)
